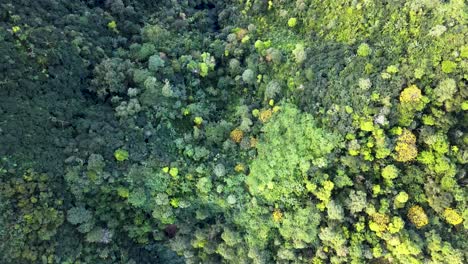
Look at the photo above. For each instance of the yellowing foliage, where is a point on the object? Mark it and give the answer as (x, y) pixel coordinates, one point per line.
(411, 94)
(237, 135)
(239, 167)
(452, 217)
(406, 147)
(277, 215)
(417, 216)
(265, 115)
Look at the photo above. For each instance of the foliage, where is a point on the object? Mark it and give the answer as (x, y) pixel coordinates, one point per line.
(406, 147)
(121, 155)
(308, 131)
(291, 146)
(452, 217)
(32, 214)
(417, 216)
(300, 227)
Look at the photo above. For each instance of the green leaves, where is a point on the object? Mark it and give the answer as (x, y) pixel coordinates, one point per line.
(82, 217)
(300, 227)
(121, 155)
(137, 197)
(291, 145)
(155, 62)
(78, 215)
(204, 185)
(364, 50)
(448, 66)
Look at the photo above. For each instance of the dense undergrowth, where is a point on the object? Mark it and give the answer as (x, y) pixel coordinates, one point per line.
(247, 131)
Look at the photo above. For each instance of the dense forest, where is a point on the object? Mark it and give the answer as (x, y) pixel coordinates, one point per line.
(233, 131)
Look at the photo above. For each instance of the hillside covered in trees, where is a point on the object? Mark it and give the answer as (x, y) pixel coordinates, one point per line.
(233, 131)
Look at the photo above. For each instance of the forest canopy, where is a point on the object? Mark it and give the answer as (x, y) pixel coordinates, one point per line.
(222, 131)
